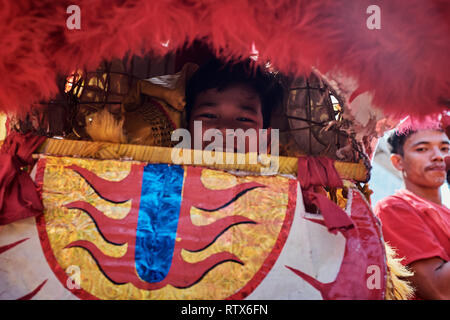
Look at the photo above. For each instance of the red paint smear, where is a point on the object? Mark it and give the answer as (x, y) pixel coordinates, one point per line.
(363, 248)
(11, 245)
(34, 292)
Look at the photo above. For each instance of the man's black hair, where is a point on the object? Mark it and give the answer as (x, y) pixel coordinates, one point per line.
(397, 140)
(220, 75)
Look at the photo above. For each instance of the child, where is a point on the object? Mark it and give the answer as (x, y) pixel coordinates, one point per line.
(231, 96)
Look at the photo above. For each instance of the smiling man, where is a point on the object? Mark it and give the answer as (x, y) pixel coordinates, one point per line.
(414, 220)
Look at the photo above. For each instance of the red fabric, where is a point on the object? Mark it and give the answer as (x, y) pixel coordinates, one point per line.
(19, 197)
(321, 172)
(418, 229)
(318, 171)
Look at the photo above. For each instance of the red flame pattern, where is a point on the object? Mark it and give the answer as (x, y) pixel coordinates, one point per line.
(120, 231)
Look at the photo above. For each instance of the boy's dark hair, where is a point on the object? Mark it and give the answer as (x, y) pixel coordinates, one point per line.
(220, 75)
(397, 140)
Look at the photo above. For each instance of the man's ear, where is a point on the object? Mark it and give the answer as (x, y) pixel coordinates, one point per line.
(397, 161)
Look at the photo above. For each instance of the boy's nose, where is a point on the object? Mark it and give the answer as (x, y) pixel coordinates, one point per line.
(227, 124)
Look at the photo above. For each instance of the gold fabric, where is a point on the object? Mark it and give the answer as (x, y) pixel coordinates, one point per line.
(252, 243)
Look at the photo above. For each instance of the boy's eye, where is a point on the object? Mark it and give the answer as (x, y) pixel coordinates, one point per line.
(243, 119)
(207, 116)
(445, 149)
(421, 149)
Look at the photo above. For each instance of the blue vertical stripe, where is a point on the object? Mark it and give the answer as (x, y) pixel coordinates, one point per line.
(158, 220)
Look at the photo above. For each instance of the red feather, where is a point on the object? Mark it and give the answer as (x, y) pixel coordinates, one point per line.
(404, 65)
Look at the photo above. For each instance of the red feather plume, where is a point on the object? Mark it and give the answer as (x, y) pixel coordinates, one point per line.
(404, 65)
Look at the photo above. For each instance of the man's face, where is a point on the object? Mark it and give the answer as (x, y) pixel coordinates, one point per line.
(423, 157)
(236, 107)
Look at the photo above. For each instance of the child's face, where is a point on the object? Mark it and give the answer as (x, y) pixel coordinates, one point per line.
(236, 107)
